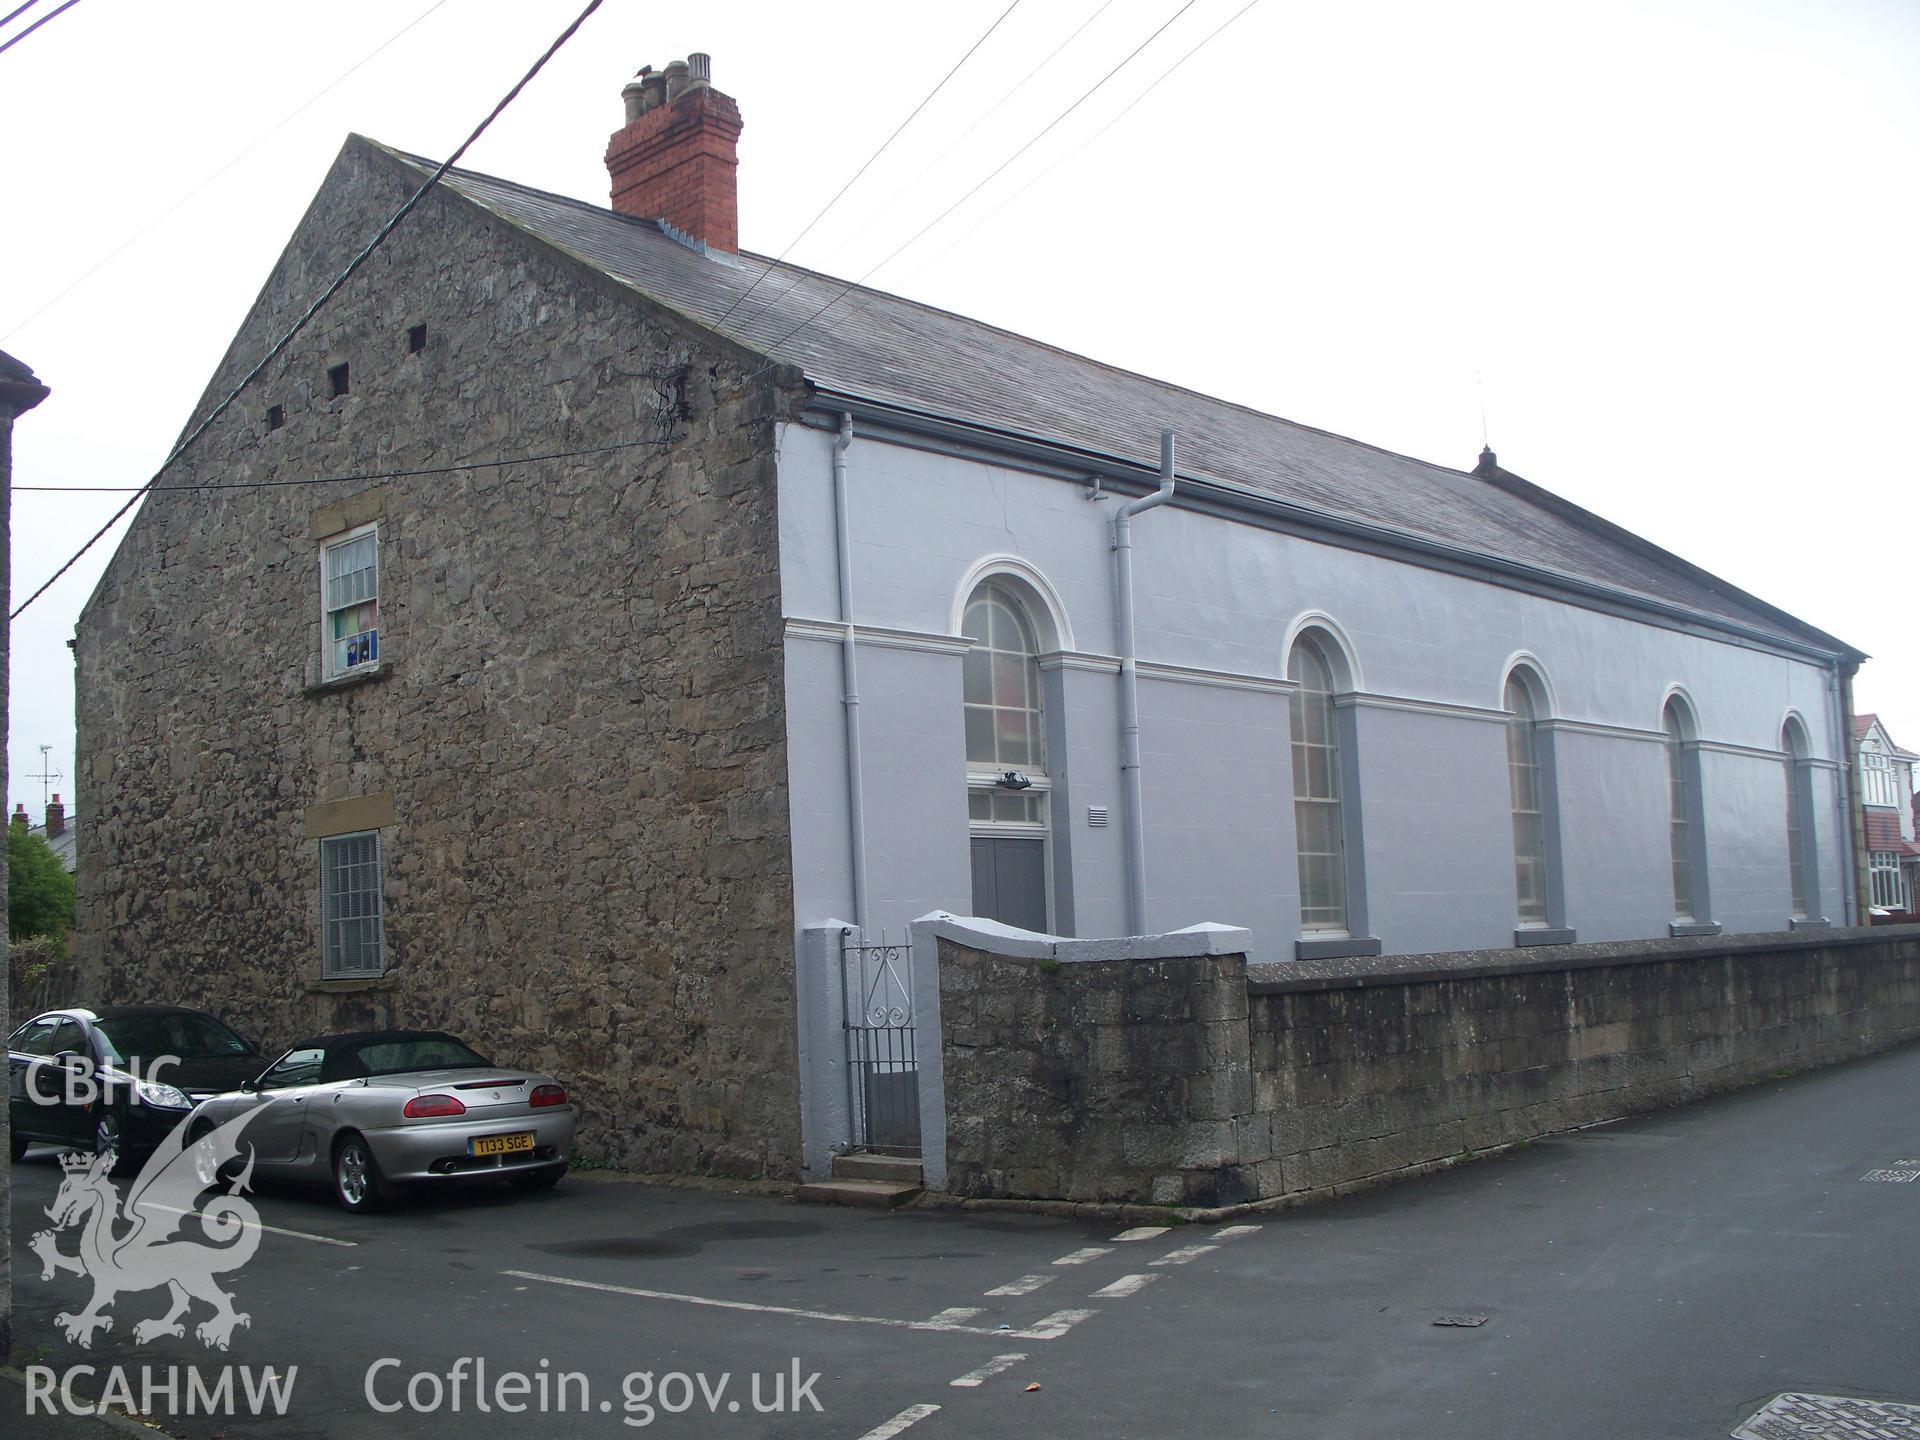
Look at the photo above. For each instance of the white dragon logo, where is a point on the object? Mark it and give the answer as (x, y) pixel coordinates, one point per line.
(147, 1256)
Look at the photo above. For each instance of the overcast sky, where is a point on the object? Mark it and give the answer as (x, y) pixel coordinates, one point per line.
(1671, 245)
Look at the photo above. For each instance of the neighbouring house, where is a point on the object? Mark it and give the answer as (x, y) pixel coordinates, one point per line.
(1887, 803)
(59, 831)
(586, 616)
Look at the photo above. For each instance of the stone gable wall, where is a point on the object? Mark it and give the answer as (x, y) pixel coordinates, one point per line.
(576, 752)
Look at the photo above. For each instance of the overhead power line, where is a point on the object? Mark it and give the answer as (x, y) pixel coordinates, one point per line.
(285, 121)
(978, 185)
(353, 268)
(47, 18)
(1122, 114)
(15, 14)
(807, 229)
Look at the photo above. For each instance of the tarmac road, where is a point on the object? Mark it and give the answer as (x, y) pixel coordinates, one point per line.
(1664, 1277)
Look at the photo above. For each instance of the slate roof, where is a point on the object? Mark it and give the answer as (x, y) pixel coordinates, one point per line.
(899, 353)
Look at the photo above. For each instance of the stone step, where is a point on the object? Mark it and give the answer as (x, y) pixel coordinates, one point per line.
(869, 1194)
(900, 1169)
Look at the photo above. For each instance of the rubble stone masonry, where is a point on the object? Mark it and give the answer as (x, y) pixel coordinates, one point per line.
(572, 746)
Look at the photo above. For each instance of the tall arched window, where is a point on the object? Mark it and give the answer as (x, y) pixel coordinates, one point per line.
(1802, 853)
(1525, 792)
(1007, 784)
(1319, 828)
(1684, 815)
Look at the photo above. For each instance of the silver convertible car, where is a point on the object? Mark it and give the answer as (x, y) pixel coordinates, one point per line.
(376, 1112)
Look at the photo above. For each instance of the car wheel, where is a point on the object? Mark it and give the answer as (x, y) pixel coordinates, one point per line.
(19, 1145)
(107, 1136)
(356, 1177)
(533, 1182)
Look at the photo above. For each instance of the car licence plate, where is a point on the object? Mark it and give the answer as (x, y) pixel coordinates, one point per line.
(500, 1144)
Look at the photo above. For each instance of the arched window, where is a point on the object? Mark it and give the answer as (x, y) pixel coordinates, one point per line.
(1319, 828)
(1802, 853)
(1525, 791)
(1007, 784)
(1684, 835)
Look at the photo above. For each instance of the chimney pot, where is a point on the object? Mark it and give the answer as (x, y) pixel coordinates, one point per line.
(675, 159)
(56, 817)
(20, 815)
(634, 96)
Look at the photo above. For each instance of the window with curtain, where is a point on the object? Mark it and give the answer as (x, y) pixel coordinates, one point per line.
(1005, 724)
(1318, 824)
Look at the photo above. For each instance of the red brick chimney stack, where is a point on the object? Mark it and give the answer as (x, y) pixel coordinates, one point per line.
(20, 816)
(56, 817)
(675, 161)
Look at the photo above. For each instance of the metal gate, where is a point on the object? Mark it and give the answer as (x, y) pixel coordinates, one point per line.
(883, 1080)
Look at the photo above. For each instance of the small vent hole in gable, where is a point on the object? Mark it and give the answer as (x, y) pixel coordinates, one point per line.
(416, 339)
(1097, 816)
(337, 378)
(276, 416)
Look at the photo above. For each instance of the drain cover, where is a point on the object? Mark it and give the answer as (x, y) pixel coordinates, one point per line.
(1831, 1417)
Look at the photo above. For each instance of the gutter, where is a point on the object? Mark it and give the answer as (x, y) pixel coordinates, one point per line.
(1077, 464)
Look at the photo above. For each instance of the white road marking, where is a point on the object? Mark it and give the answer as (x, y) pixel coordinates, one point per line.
(1081, 1257)
(958, 1315)
(1229, 1231)
(275, 1229)
(1143, 1232)
(1051, 1328)
(912, 1415)
(1126, 1285)
(1183, 1254)
(974, 1378)
(1055, 1325)
(1025, 1285)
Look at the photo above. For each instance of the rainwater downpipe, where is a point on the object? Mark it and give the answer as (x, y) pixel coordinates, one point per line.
(1842, 716)
(1130, 687)
(850, 673)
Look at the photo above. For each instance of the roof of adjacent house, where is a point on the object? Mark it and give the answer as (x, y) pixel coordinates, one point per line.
(864, 344)
(1883, 833)
(1863, 726)
(64, 845)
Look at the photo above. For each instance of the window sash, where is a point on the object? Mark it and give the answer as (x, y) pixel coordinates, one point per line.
(350, 602)
(1679, 831)
(352, 913)
(1796, 842)
(1318, 821)
(1529, 820)
(1889, 882)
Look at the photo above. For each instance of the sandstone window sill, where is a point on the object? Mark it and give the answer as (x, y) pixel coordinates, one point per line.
(1340, 949)
(1543, 935)
(368, 675)
(356, 985)
(1679, 931)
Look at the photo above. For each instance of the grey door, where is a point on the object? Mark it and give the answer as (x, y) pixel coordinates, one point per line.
(1010, 880)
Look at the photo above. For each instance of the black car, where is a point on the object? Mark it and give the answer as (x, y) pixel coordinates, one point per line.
(119, 1078)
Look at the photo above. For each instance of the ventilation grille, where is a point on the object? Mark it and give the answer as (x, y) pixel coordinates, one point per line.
(1097, 817)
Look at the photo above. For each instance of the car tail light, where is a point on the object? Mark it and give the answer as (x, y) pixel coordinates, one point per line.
(544, 1095)
(431, 1107)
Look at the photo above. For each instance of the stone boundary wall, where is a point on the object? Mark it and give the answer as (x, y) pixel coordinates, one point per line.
(1203, 1081)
